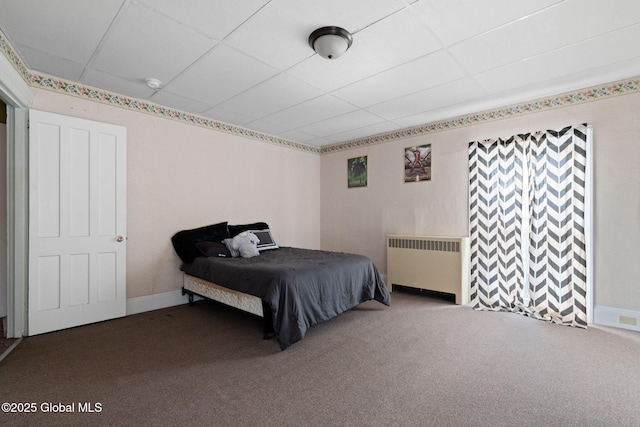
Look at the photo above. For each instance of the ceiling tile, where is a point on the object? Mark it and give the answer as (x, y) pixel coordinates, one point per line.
(266, 127)
(374, 49)
(364, 132)
(116, 84)
(279, 34)
(75, 32)
(51, 64)
(342, 123)
(227, 116)
(591, 54)
(565, 23)
(220, 75)
(329, 75)
(456, 20)
(428, 71)
(216, 18)
(178, 102)
(549, 88)
(462, 90)
(312, 111)
(296, 135)
(420, 118)
(397, 39)
(160, 48)
(271, 96)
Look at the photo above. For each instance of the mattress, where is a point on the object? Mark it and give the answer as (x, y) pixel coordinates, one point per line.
(249, 303)
(300, 287)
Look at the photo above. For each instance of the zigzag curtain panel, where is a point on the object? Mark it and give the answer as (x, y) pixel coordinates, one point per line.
(527, 225)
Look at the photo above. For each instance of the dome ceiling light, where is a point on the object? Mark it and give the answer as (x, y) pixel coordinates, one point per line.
(330, 42)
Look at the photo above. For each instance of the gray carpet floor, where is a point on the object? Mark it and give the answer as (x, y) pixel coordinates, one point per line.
(421, 362)
(5, 343)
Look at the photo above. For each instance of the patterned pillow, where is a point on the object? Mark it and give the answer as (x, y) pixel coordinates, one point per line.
(213, 249)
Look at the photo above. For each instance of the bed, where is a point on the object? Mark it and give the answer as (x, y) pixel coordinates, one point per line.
(292, 288)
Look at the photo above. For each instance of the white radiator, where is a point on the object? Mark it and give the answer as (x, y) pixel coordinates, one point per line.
(433, 263)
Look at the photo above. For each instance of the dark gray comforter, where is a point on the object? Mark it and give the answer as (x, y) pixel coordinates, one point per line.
(302, 287)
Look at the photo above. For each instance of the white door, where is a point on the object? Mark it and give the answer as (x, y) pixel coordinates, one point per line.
(77, 222)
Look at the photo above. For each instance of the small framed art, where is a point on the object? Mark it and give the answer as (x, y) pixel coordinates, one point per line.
(417, 163)
(357, 172)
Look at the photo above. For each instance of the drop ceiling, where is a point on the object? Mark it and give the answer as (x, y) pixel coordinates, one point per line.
(248, 62)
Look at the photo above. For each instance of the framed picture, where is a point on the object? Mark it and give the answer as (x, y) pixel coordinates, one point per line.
(417, 163)
(357, 172)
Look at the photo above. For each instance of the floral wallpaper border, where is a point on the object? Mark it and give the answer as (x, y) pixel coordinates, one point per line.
(13, 57)
(76, 89)
(594, 93)
(56, 84)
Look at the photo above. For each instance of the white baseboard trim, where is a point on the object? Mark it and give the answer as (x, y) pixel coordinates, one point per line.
(616, 317)
(156, 302)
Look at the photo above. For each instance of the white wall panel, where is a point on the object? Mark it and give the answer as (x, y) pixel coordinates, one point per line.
(107, 183)
(107, 284)
(48, 282)
(79, 279)
(49, 182)
(79, 183)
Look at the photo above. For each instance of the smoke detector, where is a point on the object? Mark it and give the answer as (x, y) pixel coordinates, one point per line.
(153, 83)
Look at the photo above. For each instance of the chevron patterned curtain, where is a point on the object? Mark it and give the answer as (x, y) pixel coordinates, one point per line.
(496, 207)
(532, 261)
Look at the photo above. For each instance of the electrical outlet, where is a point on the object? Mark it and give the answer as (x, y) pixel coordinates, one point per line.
(628, 320)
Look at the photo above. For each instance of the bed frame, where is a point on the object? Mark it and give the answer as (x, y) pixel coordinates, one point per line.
(194, 286)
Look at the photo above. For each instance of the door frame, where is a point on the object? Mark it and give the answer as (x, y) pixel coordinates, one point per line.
(18, 97)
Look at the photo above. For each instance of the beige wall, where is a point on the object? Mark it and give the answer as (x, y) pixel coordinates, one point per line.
(182, 176)
(358, 219)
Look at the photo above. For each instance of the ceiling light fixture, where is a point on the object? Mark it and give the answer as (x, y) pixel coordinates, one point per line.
(330, 42)
(153, 83)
